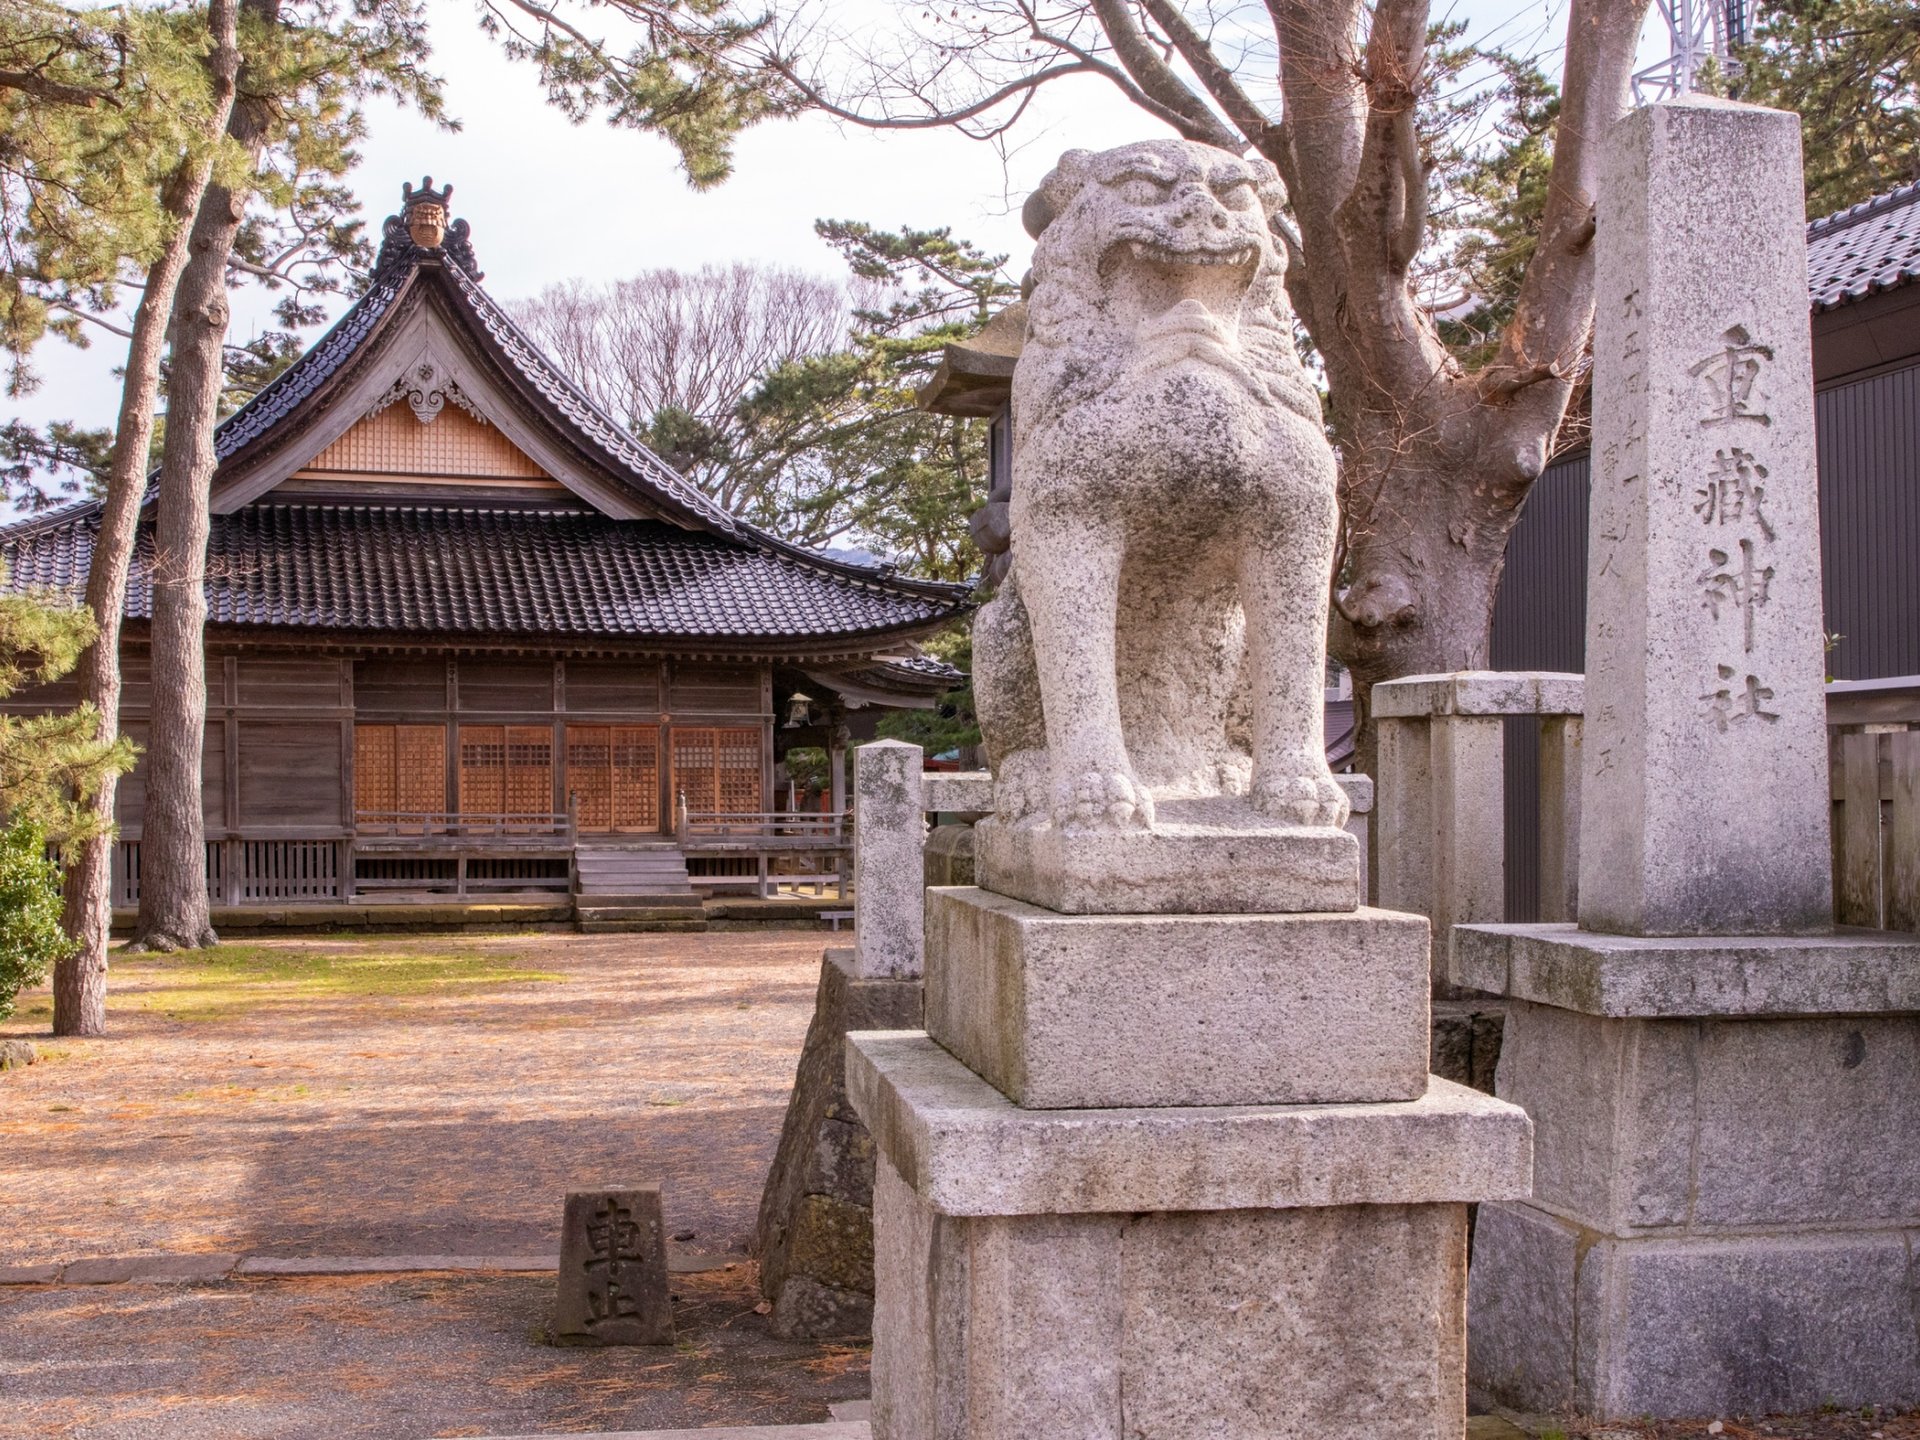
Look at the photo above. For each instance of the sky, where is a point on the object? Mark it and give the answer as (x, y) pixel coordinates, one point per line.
(550, 201)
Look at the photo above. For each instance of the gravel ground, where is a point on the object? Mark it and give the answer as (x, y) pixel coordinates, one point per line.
(389, 1358)
(396, 1114)
(400, 1096)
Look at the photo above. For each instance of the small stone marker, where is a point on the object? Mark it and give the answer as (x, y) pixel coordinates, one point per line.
(613, 1270)
(889, 827)
(1705, 807)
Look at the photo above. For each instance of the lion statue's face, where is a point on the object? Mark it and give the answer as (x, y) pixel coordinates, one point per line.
(1159, 255)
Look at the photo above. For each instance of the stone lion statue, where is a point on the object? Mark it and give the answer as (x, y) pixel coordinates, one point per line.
(1163, 632)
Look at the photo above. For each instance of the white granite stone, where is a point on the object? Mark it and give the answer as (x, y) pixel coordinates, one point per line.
(1342, 1322)
(1718, 1125)
(1202, 857)
(1705, 806)
(890, 826)
(1098, 1010)
(968, 1150)
(957, 792)
(1848, 971)
(1690, 1326)
(1480, 692)
(1163, 634)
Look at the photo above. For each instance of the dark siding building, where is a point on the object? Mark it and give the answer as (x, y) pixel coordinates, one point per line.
(1864, 288)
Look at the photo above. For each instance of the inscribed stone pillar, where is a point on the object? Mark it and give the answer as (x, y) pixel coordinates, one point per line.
(1705, 806)
(888, 830)
(1716, 1227)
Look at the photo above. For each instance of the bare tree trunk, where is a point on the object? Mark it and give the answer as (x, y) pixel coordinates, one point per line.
(80, 981)
(174, 907)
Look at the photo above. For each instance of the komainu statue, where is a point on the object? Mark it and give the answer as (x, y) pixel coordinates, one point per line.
(1163, 634)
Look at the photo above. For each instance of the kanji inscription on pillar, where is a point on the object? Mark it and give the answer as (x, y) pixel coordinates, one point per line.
(1705, 809)
(613, 1270)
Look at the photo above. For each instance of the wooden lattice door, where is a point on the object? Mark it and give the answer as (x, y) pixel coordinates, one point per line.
(613, 775)
(718, 771)
(506, 770)
(399, 769)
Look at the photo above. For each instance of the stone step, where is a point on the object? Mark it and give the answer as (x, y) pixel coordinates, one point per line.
(831, 1430)
(665, 911)
(653, 897)
(635, 927)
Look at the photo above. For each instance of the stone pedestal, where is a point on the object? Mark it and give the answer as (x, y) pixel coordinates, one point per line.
(1727, 1187)
(814, 1239)
(1062, 1011)
(1234, 1273)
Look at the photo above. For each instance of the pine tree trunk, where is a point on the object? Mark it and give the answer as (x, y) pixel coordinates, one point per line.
(80, 981)
(174, 906)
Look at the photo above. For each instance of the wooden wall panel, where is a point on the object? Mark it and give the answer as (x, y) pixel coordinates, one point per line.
(506, 685)
(394, 442)
(130, 796)
(289, 774)
(404, 684)
(630, 687)
(716, 690)
(305, 682)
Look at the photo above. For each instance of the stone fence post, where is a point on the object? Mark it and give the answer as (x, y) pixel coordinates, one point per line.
(889, 827)
(1439, 843)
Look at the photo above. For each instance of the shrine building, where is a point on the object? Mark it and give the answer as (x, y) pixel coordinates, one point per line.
(467, 635)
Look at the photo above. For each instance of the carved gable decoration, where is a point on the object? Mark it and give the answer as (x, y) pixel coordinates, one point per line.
(451, 441)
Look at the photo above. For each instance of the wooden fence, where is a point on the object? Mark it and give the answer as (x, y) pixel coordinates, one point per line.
(1873, 734)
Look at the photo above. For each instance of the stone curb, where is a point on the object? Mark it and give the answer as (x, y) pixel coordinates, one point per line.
(192, 1269)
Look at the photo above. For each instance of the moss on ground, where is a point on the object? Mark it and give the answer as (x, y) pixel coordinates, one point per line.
(232, 980)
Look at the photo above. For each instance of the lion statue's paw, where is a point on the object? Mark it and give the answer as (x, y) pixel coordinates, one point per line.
(1301, 799)
(1103, 800)
(1021, 785)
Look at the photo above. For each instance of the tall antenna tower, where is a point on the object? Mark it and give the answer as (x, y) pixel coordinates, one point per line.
(1697, 31)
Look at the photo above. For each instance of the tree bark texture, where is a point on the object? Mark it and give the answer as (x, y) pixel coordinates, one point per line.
(174, 906)
(1435, 460)
(80, 981)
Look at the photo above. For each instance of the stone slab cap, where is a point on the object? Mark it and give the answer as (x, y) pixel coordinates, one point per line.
(1480, 692)
(1060, 1011)
(1359, 790)
(1849, 972)
(968, 1150)
(957, 792)
(1200, 858)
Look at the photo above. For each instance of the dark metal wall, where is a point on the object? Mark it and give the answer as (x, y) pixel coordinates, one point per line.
(1539, 623)
(1868, 433)
(1869, 444)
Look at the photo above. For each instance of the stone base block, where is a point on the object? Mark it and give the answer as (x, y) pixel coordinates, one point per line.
(1690, 1325)
(815, 1233)
(1237, 1273)
(1202, 857)
(1062, 1011)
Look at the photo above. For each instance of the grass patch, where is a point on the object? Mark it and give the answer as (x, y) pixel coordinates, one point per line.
(230, 980)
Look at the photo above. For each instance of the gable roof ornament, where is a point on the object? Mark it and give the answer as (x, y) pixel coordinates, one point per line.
(426, 387)
(424, 229)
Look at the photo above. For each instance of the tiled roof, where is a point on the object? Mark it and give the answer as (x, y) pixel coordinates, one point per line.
(1872, 247)
(476, 572)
